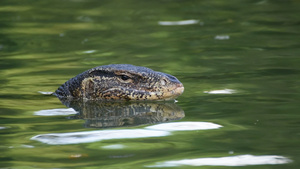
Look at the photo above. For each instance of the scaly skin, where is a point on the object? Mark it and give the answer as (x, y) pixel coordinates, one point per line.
(121, 82)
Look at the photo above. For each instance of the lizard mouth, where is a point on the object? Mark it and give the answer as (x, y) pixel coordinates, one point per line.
(175, 91)
(179, 90)
(169, 93)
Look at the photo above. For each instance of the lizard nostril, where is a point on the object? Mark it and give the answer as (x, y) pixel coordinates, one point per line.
(179, 85)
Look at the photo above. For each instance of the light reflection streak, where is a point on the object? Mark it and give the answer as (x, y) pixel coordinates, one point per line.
(225, 91)
(158, 130)
(92, 136)
(184, 126)
(240, 160)
(183, 22)
(55, 112)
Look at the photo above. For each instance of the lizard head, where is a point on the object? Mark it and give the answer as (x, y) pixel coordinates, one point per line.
(126, 82)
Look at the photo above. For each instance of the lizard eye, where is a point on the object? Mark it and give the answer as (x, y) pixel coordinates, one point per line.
(124, 77)
(163, 82)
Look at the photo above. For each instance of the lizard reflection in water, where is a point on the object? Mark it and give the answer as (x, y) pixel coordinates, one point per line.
(117, 114)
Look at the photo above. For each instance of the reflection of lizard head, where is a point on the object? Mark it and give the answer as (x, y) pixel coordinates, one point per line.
(121, 82)
(116, 114)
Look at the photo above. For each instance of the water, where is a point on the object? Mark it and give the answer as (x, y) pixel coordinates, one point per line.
(238, 60)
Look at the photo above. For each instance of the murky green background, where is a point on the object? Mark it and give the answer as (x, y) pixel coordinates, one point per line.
(249, 46)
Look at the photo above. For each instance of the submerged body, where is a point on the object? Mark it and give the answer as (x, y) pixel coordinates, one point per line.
(121, 82)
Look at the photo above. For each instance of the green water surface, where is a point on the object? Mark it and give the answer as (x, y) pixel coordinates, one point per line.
(250, 47)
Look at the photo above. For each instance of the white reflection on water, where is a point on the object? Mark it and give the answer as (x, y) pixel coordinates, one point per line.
(45, 93)
(89, 51)
(114, 146)
(151, 131)
(225, 91)
(241, 160)
(92, 136)
(55, 112)
(222, 37)
(181, 126)
(184, 22)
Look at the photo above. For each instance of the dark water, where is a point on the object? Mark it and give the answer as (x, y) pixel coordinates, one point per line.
(238, 60)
